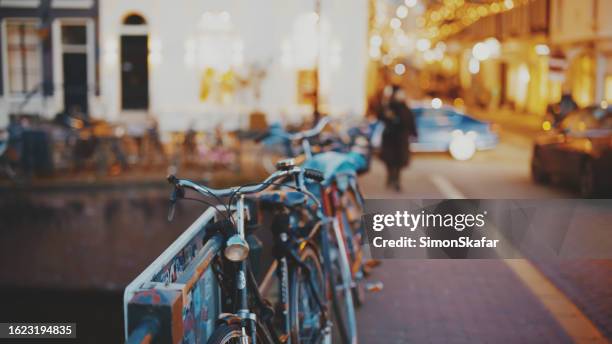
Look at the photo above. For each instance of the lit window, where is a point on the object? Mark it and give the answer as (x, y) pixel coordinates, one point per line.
(24, 56)
(608, 89)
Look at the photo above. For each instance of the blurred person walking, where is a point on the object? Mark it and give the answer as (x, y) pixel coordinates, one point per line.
(399, 127)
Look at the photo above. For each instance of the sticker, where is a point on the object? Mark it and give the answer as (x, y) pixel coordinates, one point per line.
(241, 280)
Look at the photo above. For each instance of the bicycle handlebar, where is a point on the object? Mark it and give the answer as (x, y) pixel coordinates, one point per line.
(250, 189)
(301, 135)
(314, 131)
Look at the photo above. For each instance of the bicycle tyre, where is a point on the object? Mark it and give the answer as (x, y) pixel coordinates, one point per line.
(299, 289)
(339, 288)
(350, 199)
(229, 334)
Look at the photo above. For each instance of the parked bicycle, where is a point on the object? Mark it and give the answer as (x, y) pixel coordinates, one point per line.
(341, 157)
(305, 263)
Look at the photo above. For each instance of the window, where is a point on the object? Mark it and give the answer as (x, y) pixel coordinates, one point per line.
(134, 19)
(24, 56)
(74, 34)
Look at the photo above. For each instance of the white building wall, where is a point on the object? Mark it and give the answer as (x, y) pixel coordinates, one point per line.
(264, 26)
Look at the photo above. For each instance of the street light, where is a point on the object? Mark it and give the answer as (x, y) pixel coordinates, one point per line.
(481, 51)
(401, 12)
(474, 66)
(410, 3)
(399, 69)
(423, 44)
(542, 49)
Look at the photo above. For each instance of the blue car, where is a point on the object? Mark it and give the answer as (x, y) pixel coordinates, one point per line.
(448, 130)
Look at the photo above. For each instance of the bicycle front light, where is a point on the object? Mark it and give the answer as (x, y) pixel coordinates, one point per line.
(236, 249)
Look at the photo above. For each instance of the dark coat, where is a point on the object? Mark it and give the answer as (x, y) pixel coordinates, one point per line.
(399, 126)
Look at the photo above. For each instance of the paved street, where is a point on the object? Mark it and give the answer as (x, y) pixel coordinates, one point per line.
(485, 301)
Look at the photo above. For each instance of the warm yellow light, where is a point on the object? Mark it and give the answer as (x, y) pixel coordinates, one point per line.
(386, 60)
(546, 125)
(399, 69)
(481, 51)
(395, 23)
(474, 66)
(482, 11)
(441, 46)
(401, 12)
(374, 52)
(376, 40)
(542, 49)
(523, 74)
(493, 47)
(608, 89)
(423, 44)
(410, 3)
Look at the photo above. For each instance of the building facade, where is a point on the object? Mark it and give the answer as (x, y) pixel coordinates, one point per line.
(49, 57)
(538, 51)
(583, 31)
(505, 57)
(206, 63)
(189, 64)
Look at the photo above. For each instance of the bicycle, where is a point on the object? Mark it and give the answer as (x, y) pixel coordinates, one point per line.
(341, 197)
(303, 287)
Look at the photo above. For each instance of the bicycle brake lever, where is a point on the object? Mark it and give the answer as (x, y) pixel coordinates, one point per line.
(176, 194)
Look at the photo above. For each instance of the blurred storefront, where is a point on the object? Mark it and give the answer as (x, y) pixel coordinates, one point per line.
(48, 57)
(583, 31)
(516, 54)
(205, 63)
(505, 59)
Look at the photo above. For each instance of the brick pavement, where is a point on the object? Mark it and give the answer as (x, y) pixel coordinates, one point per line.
(587, 283)
(450, 301)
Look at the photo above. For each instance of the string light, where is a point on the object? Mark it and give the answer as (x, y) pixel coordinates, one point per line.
(401, 12)
(455, 15)
(436, 24)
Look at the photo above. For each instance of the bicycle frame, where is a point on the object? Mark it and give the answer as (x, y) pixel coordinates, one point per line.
(246, 284)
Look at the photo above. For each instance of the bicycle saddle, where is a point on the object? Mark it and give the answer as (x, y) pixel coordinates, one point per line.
(334, 164)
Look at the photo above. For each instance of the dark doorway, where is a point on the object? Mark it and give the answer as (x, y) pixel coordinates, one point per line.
(134, 73)
(75, 82)
(74, 60)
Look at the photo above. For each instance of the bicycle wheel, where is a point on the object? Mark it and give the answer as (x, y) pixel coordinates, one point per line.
(339, 288)
(229, 334)
(226, 334)
(351, 223)
(306, 315)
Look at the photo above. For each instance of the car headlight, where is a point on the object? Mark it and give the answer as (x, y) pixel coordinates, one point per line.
(457, 133)
(462, 147)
